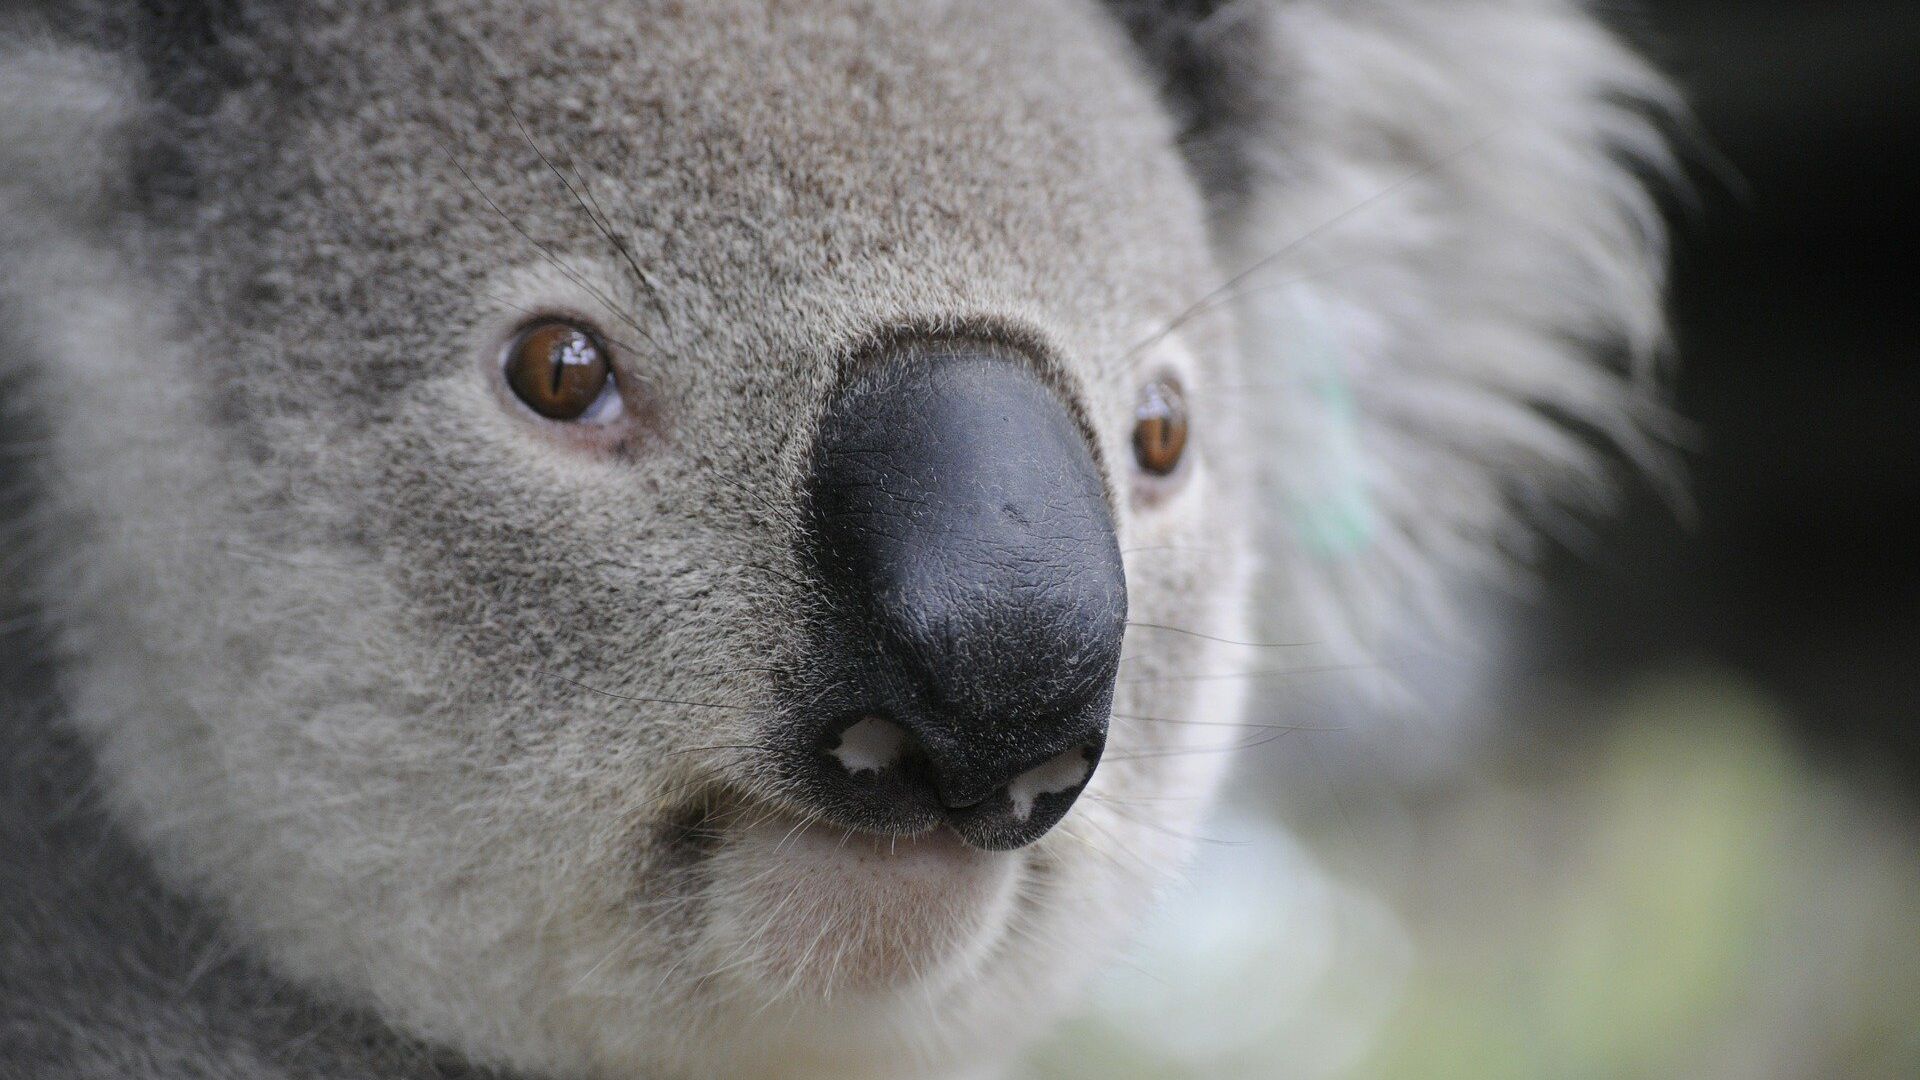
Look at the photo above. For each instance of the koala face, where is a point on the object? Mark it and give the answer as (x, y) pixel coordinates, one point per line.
(663, 509)
(701, 539)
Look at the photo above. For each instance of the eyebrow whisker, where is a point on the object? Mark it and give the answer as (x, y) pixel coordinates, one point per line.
(543, 249)
(601, 223)
(1227, 290)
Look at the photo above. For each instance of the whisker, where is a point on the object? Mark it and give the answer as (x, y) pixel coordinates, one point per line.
(1177, 834)
(652, 288)
(759, 499)
(1143, 800)
(1224, 291)
(1269, 733)
(1113, 850)
(1282, 728)
(1174, 547)
(625, 346)
(812, 818)
(604, 228)
(1223, 641)
(1200, 751)
(1227, 675)
(545, 252)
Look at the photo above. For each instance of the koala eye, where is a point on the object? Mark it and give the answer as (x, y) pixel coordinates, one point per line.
(1160, 427)
(559, 369)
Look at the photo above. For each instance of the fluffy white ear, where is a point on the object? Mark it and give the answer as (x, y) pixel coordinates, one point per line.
(1451, 294)
(63, 118)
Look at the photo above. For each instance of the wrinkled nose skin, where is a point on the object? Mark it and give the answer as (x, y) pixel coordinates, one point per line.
(962, 668)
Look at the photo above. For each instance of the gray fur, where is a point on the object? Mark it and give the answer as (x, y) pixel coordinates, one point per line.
(356, 721)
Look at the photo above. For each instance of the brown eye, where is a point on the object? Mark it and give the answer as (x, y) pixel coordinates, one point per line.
(1160, 427)
(558, 369)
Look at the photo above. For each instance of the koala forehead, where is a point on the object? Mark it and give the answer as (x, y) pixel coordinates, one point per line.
(790, 179)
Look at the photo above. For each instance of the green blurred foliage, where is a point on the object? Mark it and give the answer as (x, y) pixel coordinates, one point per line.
(1685, 899)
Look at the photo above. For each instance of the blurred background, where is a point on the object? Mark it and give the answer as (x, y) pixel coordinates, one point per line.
(1688, 845)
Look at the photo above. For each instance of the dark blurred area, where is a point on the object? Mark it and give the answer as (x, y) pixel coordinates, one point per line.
(1797, 313)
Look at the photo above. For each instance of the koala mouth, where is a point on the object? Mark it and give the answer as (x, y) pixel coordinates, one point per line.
(710, 822)
(792, 903)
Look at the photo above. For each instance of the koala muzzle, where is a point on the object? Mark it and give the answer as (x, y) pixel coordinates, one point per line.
(961, 668)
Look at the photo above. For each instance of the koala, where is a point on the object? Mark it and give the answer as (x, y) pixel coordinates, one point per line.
(575, 539)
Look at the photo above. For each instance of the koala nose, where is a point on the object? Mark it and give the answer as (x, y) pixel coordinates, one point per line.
(963, 665)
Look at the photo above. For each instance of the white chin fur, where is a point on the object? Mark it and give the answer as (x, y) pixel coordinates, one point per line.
(822, 911)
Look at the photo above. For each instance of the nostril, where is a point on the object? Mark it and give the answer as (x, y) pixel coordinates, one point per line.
(1062, 773)
(883, 773)
(871, 744)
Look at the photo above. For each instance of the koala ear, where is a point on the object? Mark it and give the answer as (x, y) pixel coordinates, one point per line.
(1448, 275)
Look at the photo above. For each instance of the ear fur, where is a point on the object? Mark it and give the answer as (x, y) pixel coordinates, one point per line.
(1450, 281)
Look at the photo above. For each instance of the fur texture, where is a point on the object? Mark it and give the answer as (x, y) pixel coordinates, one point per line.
(363, 725)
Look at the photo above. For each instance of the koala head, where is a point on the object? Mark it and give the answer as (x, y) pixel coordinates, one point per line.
(712, 538)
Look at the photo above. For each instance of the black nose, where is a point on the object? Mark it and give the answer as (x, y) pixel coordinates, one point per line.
(963, 661)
